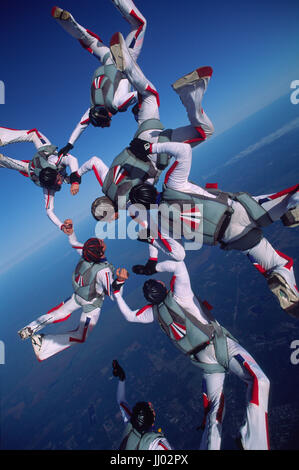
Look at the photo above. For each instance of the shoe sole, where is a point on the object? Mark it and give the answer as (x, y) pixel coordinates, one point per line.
(60, 14)
(291, 218)
(24, 336)
(116, 51)
(198, 74)
(288, 301)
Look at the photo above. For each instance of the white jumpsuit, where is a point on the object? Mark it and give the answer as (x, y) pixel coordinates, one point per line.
(263, 256)
(124, 96)
(11, 136)
(191, 95)
(254, 431)
(54, 343)
(157, 444)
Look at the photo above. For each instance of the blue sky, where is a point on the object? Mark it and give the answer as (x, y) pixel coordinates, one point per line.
(252, 47)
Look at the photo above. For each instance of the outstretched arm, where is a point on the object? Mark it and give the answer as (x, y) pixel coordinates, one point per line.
(80, 127)
(68, 229)
(143, 315)
(125, 410)
(49, 206)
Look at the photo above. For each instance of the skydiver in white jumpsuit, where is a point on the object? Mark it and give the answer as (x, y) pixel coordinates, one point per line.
(119, 96)
(254, 432)
(274, 265)
(190, 88)
(93, 273)
(27, 167)
(139, 432)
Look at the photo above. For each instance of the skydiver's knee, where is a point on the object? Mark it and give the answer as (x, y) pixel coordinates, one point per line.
(209, 130)
(96, 161)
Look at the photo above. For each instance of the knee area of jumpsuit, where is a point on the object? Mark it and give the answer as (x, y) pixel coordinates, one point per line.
(95, 160)
(209, 131)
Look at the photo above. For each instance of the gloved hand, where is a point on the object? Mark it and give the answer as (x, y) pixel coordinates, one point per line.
(121, 276)
(118, 371)
(148, 269)
(140, 148)
(67, 227)
(65, 150)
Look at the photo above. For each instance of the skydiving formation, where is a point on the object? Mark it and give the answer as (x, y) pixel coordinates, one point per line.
(186, 215)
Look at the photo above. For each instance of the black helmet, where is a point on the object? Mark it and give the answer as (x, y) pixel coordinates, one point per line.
(144, 193)
(93, 250)
(47, 177)
(154, 291)
(99, 116)
(143, 416)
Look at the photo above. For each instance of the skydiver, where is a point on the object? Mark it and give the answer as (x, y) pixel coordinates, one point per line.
(46, 169)
(232, 220)
(110, 90)
(92, 282)
(139, 432)
(127, 170)
(189, 323)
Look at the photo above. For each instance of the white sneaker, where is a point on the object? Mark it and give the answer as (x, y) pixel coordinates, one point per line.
(60, 14)
(118, 51)
(25, 332)
(291, 217)
(125, 63)
(36, 341)
(198, 74)
(286, 296)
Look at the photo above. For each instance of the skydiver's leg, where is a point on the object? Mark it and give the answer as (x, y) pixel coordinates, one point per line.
(12, 164)
(56, 315)
(191, 89)
(278, 204)
(88, 40)
(46, 346)
(274, 265)
(147, 93)
(12, 136)
(278, 270)
(96, 165)
(135, 38)
(213, 401)
(254, 431)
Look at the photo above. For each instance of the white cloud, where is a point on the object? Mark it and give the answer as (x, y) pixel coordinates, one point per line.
(269, 139)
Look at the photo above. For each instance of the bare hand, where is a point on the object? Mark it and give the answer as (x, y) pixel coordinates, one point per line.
(122, 274)
(75, 188)
(67, 227)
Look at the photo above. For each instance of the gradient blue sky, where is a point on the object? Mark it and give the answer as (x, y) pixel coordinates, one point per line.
(252, 47)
